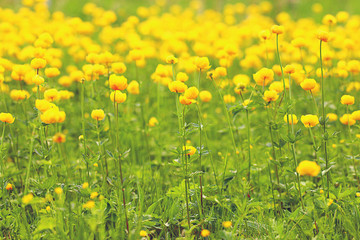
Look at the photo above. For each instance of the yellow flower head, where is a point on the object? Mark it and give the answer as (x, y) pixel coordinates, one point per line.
(38, 80)
(98, 114)
(310, 120)
(58, 190)
(89, 204)
(38, 63)
(205, 233)
(347, 100)
(182, 77)
(347, 119)
(292, 119)
(202, 63)
(52, 72)
(94, 195)
(118, 97)
(308, 84)
(118, 67)
(356, 115)
(27, 198)
(277, 86)
(276, 29)
(143, 233)
(153, 122)
(264, 76)
(332, 117)
(117, 82)
(59, 138)
(51, 95)
(9, 187)
(308, 168)
(270, 96)
(177, 86)
(191, 93)
(227, 224)
(171, 59)
(323, 36)
(205, 96)
(189, 150)
(6, 118)
(133, 87)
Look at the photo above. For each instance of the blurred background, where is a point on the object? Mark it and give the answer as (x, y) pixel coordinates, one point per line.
(297, 8)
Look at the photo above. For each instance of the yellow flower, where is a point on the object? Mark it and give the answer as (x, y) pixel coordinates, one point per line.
(308, 168)
(118, 67)
(264, 76)
(205, 233)
(85, 185)
(205, 96)
(347, 100)
(9, 187)
(277, 86)
(330, 201)
(246, 102)
(89, 204)
(143, 233)
(191, 93)
(347, 119)
(6, 118)
(117, 82)
(356, 115)
(177, 86)
(98, 114)
(357, 194)
(323, 36)
(38, 63)
(202, 63)
(52, 72)
(329, 20)
(308, 84)
(220, 71)
(94, 195)
(182, 77)
(265, 35)
(227, 224)
(59, 138)
(310, 120)
(27, 198)
(332, 117)
(43, 105)
(153, 122)
(270, 96)
(277, 29)
(19, 95)
(171, 59)
(38, 80)
(289, 69)
(189, 150)
(133, 87)
(292, 119)
(117, 96)
(342, 16)
(51, 95)
(185, 101)
(58, 190)
(229, 98)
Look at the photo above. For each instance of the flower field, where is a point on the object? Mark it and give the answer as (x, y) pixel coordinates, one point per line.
(189, 120)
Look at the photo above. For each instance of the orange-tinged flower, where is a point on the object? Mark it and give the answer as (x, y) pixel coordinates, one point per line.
(229, 98)
(310, 120)
(189, 150)
(347, 119)
(27, 198)
(9, 187)
(289, 69)
(6, 117)
(43, 105)
(265, 35)
(277, 86)
(98, 114)
(264, 76)
(227, 224)
(308, 168)
(329, 20)
(18, 95)
(347, 100)
(220, 72)
(117, 82)
(270, 96)
(185, 101)
(323, 36)
(277, 29)
(118, 96)
(59, 138)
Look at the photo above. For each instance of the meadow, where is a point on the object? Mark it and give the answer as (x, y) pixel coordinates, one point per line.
(179, 119)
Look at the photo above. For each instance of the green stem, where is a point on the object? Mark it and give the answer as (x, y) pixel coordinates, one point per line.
(30, 161)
